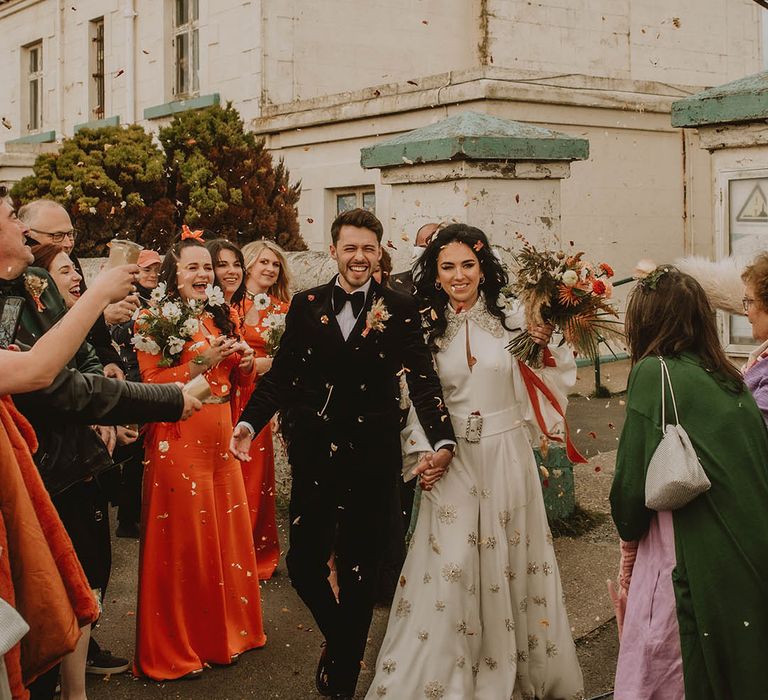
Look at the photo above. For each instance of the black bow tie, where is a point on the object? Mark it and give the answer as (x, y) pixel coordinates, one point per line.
(340, 297)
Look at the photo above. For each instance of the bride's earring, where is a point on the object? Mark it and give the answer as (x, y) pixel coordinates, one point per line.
(438, 286)
(482, 280)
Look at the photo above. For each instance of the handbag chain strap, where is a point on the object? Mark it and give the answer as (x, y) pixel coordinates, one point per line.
(665, 373)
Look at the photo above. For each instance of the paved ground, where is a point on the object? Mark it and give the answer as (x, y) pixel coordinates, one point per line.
(285, 667)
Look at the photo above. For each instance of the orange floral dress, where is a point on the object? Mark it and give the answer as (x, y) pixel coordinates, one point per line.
(199, 599)
(259, 473)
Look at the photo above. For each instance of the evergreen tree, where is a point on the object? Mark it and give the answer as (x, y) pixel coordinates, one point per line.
(224, 180)
(112, 182)
(116, 182)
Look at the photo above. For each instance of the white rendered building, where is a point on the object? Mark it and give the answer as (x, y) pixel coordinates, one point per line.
(320, 79)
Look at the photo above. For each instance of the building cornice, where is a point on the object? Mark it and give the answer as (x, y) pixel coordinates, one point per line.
(741, 100)
(488, 83)
(11, 7)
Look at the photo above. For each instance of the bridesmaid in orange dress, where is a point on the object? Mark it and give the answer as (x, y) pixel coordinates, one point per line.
(199, 599)
(266, 281)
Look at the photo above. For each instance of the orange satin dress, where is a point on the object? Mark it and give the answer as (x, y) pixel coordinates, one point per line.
(259, 473)
(199, 599)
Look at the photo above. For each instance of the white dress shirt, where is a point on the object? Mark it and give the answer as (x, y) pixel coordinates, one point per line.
(346, 317)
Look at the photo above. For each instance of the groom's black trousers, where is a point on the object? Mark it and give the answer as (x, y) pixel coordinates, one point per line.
(339, 506)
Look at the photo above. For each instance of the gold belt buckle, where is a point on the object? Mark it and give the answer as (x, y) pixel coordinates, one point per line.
(474, 427)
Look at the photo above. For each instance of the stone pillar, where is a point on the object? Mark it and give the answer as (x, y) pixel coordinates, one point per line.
(499, 175)
(729, 121)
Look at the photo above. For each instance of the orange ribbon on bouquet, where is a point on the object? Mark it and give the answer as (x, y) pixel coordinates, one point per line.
(187, 233)
(534, 382)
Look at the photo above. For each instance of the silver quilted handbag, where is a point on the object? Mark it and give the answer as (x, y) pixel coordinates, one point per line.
(675, 476)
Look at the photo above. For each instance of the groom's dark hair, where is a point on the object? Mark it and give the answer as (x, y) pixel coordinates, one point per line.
(359, 218)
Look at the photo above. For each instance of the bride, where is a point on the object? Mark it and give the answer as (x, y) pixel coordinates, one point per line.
(479, 613)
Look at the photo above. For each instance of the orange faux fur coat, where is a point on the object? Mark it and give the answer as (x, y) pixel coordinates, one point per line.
(39, 571)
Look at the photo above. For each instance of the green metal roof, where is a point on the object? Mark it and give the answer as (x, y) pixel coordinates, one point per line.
(474, 136)
(742, 100)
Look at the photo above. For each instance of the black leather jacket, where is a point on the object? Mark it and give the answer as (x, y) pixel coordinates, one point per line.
(69, 450)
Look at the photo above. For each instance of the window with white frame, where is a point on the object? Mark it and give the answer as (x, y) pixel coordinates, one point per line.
(33, 74)
(356, 198)
(186, 47)
(97, 92)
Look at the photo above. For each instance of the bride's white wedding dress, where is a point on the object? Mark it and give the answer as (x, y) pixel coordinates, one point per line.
(479, 612)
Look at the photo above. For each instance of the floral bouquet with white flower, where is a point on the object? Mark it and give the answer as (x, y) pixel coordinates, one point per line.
(164, 328)
(274, 327)
(568, 292)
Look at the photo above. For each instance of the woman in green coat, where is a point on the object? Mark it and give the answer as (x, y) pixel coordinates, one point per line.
(697, 609)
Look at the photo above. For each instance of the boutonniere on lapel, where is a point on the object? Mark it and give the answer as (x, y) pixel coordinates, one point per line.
(376, 318)
(35, 287)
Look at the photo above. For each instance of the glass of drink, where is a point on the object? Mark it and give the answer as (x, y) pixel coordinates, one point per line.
(198, 387)
(123, 252)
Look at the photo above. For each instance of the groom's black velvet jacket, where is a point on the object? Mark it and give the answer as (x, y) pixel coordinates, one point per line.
(334, 394)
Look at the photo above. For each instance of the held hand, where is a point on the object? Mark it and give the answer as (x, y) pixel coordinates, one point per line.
(116, 283)
(221, 348)
(541, 333)
(263, 365)
(428, 472)
(191, 405)
(126, 435)
(108, 436)
(122, 311)
(114, 372)
(246, 358)
(442, 458)
(240, 444)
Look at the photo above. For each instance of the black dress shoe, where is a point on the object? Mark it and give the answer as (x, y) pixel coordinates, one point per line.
(321, 675)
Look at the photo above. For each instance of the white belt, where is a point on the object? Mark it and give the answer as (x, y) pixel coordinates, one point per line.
(473, 427)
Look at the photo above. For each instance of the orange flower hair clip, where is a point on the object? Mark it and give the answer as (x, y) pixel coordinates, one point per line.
(187, 233)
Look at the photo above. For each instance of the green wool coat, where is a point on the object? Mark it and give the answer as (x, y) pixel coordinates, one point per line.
(721, 537)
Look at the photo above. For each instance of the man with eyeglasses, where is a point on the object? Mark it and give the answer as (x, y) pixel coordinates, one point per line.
(49, 222)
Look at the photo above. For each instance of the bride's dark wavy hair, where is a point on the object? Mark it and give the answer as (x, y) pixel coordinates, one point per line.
(169, 275)
(425, 276)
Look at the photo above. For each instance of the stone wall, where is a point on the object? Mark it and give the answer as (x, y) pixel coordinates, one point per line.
(308, 269)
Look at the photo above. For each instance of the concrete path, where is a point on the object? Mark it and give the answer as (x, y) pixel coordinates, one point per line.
(285, 667)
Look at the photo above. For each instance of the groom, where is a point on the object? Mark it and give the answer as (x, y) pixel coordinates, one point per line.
(335, 382)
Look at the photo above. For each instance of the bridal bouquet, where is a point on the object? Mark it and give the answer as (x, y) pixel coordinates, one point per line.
(568, 292)
(164, 328)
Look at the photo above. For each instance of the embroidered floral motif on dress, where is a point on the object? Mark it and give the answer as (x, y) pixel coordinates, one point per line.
(403, 608)
(434, 689)
(451, 572)
(447, 514)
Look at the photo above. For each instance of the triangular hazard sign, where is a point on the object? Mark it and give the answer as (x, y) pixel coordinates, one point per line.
(755, 209)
